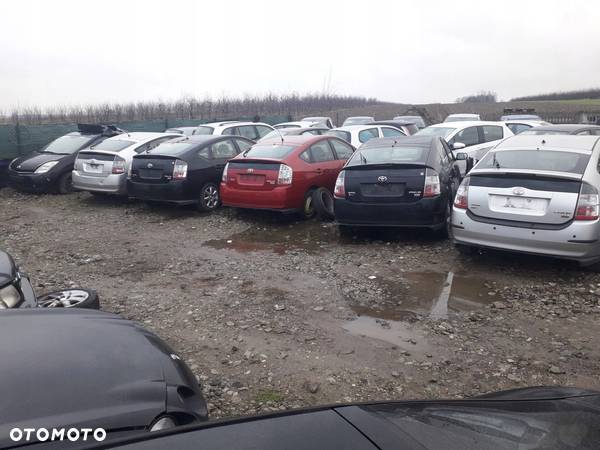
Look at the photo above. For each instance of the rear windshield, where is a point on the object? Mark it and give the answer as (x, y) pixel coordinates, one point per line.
(283, 126)
(357, 121)
(389, 155)
(66, 145)
(204, 130)
(544, 132)
(545, 160)
(168, 148)
(345, 135)
(112, 145)
(442, 132)
(269, 151)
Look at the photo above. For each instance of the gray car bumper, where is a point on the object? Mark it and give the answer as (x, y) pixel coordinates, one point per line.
(111, 184)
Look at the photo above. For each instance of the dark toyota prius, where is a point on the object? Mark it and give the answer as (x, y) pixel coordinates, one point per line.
(185, 171)
(79, 368)
(401, 182)
(49, 169)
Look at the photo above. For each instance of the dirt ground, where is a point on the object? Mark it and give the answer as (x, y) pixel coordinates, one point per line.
(271, 313)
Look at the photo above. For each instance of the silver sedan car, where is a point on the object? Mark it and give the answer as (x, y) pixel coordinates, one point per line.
(102, 168)
(533, 194)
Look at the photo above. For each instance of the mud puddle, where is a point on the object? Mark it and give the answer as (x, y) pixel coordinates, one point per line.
(310, 237)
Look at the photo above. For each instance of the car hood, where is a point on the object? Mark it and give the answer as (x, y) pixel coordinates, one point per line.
(70, 367)
(31, 162)
(8, 269)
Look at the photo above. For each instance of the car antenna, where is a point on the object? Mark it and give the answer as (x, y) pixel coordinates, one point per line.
(280, 135)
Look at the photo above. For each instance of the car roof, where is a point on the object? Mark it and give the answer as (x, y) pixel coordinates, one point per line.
(400, 141)
(391, 122)
(180, 128)
(532, 141)
(570, 127)
(218, 124)
(139, 136)
(359, 117)
(466, 123)
(295, 139)
(202, 138)
(361, 127)
(463, 115)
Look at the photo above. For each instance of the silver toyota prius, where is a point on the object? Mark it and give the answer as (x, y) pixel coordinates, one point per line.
(533, 194)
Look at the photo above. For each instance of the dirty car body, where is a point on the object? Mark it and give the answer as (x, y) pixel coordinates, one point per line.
(89, 369)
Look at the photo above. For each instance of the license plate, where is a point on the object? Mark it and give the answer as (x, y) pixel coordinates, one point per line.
(150, 173)
(252, 179)
(388, 189)
(511, 203)
(93, 168)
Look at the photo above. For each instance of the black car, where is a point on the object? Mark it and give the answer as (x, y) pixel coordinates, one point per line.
(528, 418)
(569, 128)
(78, 368)
(49, 169)
(400, 182)
(16, 291)
(185, 171)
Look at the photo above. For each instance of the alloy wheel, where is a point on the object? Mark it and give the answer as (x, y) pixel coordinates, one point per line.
(210, 197)
(65, 299)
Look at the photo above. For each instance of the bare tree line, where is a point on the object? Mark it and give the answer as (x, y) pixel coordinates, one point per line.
(188, 108)
(567, 95)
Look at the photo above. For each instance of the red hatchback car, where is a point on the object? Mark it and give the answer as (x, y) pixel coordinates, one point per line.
(287, 174)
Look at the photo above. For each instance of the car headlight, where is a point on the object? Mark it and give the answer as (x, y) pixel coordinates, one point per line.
(9, 297)
(46, 167)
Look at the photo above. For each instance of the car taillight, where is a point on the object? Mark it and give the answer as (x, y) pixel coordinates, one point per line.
(340, 189)
(432, 184)
(462, 195)
(224, 176)
(180, 170)
(285, 174)
(118, 165)
(588, 203)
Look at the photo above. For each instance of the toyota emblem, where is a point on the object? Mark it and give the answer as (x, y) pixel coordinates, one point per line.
(519, 191)
(382, 179)
(250, 170)
(150, 166)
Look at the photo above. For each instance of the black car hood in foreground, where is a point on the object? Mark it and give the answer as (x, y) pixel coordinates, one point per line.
(83, 368)
(530, 418)
(31, 162)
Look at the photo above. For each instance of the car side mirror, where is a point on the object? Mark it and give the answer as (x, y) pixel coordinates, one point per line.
(458, 146)
(462, 156)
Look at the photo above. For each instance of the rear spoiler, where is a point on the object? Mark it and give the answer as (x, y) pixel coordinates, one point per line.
(104, 130)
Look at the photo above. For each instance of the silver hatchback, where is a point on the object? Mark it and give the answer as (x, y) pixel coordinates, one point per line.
(103, 168)
(533, 194)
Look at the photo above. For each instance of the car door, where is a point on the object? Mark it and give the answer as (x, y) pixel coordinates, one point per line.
(222, 151)
(342, 151)
(450, 168)
(324, 164)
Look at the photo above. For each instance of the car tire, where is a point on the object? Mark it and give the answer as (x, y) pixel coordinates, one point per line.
(79, 298)
(446, 232)
(308, 206)
(210, 199)
(323, 203)
(65, 184)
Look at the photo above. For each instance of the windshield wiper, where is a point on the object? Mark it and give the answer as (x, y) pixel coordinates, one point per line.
(495, 163)
(363, 159)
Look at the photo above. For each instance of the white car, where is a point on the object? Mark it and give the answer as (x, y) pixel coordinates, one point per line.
(518, 125)
(250, 130)
(297, 124)
(102, 168)
(324, 121)
(358, 120)
(359, 134)
(473, 138)
(462, 118)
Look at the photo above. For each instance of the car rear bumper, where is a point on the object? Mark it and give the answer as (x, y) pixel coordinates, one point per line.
(172, 192)
(426, 213)
(278, 198)
(111, 184)
(578, 241)
(30, 182)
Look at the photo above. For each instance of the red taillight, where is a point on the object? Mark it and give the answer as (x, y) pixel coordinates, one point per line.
(224, 177)
(118, 165)
(462, 195)
(286, 174)
(588, 204)
(340, 189)
(180, 170)
(432, 184)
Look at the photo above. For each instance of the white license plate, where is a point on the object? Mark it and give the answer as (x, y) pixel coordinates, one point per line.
(93, 168)
(511, 203)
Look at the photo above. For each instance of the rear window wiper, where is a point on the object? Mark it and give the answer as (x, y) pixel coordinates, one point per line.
(363, 159)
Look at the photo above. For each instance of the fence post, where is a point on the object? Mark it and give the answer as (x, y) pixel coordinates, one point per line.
(18, 137)
(166, 123)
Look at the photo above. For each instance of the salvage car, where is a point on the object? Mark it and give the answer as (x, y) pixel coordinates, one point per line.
(358, 120)
(49, 169)
(533, 194)
(528, 418)
(321, 121)
(297, 124)
(76, 368)
(102, 168)
(249, 130)
(294, 132)
(186, 131)
(407, 182)
(16, 291)
(462, 118)
(569, 128)
(519, 125)
(417, 120)
(295, 174)
(356, 135)
(409, 128)
(185, 171)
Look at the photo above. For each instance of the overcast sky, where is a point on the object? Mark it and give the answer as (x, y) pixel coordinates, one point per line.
(79, 52)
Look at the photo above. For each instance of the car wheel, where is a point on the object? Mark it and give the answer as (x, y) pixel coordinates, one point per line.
(323, 203)
(209, 197)
(308, 207)
(65, 184)
(446, 232)
(70, 298)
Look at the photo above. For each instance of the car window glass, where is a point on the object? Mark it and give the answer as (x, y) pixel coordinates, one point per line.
(204, 153)
(447, 150)
(314, 132)
(230, 131)
(366, 135)
(596, 132)
(305, 156)
(243, 145)
(343, 150)
(492, 133)
(262, 130)
(389, 132)
(248, 131)
(223, 149)
(516, 128)
(584, 133)
(153, 144)
(468, 136)
(321, 151)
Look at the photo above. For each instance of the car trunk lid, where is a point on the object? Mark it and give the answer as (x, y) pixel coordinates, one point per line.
(95, 163)
(152, 168)
(253, 174)
(385, 183)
